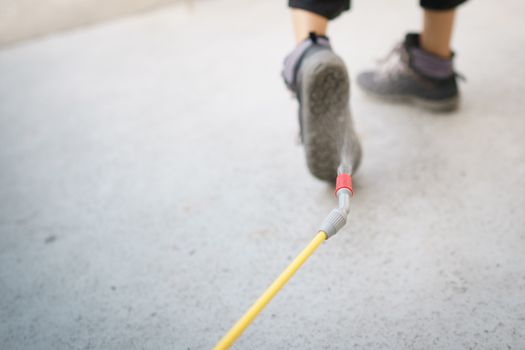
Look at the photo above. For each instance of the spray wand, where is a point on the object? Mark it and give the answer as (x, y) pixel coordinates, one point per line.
(330, 226)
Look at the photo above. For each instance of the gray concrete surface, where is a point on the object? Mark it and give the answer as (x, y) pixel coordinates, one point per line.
(25, 19)
(150, 189)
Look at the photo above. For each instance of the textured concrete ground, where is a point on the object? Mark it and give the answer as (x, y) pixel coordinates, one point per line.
(25, 19)
(150, 189)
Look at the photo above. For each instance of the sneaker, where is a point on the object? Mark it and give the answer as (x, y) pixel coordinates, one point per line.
(319, 80)
(411, 74)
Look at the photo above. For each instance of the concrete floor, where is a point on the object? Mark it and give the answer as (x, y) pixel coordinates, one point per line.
(24, 19)
(150, 189)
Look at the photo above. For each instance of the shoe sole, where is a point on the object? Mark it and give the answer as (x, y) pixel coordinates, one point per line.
(327, 126)
(445, 105)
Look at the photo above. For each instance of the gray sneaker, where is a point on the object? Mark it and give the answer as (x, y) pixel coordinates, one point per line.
(410, 74)
(319, 79)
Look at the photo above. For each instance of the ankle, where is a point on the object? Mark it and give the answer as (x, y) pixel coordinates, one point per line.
(305, 22)
(431, 65)
(293, 60)
(440, 50)
(427, 63)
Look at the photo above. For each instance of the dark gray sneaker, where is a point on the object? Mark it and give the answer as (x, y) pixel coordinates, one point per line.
(411, 74)
(319, 79)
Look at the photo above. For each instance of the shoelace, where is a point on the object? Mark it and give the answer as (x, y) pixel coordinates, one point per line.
(394, 64)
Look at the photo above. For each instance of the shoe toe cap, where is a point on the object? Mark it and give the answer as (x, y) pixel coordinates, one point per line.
(366, 79)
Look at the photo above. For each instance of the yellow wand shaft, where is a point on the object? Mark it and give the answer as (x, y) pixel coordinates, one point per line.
(276, 286)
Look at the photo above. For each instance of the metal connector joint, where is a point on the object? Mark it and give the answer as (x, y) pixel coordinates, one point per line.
(337, 217)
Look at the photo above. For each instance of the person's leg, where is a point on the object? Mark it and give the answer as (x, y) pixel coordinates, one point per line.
(310, 21)
(319, 79)
(420, 69)
(306, 22)
(437, 32)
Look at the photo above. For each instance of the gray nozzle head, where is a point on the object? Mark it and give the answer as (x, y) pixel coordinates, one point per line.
(333, 222)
